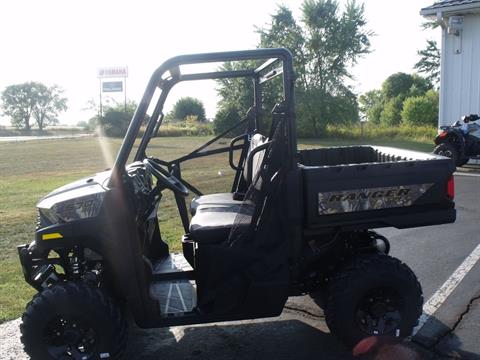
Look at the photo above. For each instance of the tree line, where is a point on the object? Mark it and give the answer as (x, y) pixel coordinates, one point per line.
(327, 40)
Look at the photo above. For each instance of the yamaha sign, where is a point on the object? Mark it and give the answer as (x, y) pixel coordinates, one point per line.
(112, 72)
(112, 86)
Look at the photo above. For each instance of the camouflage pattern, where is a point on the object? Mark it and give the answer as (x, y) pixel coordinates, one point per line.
(336, 202)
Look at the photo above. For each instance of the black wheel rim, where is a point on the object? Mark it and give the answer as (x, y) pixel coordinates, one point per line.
(446, 153)
(69, 337)
(380, 312)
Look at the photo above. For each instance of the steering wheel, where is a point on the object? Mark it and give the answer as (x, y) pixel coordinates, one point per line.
(164, 177)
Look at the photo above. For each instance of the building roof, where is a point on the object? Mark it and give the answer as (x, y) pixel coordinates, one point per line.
(451, 7)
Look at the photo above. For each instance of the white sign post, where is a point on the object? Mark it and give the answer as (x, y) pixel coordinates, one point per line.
(112, 86)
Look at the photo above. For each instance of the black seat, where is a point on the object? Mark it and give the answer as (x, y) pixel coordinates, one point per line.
(228, 198)
(213, 200)
(216, 215)
(212, 224)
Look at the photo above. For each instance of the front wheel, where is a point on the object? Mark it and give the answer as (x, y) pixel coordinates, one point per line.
(374, 295)
(73, 320)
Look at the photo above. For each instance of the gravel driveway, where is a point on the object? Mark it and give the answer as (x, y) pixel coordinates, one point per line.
(10, 346)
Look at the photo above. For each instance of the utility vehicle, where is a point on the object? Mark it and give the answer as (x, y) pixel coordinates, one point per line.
(460, 141)
(292, 223)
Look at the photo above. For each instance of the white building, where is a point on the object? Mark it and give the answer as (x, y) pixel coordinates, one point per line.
(460, 60)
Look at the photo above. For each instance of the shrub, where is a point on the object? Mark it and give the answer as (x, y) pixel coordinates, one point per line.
(203, 129)
(115, 123)
(391, 113)
(421, 110)
(374, 113)
(115, 120)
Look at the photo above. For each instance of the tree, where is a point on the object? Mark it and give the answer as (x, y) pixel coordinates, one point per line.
(49, 104)
(391, 113)
(115, 119)
(421, 110)
(420, 86)
(18, 102)
(333, 42)
(385, 106)
(398, 84)
(226, 118)
(374, 113)
(23, 101)
(188, 106)
(235, 93)
(325, 43)
(283, 31)
(371, 105)
(429, 63)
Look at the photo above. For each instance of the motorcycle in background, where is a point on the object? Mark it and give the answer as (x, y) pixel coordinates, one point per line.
(460, 141)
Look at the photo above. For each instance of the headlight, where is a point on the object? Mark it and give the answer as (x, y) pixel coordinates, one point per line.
(81, 208)
(80, 203)
(46, 217)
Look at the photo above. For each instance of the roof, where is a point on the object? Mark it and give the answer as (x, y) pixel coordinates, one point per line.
(452, 7)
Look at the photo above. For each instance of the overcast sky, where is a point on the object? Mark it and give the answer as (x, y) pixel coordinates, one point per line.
(65, 42)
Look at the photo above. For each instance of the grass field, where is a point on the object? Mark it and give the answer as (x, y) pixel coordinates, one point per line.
(29, 170)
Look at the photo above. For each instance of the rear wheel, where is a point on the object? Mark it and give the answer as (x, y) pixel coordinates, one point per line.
(73, 321)
(445, 149)
(373, 295)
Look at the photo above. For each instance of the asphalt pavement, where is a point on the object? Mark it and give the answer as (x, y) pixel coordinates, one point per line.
(434, 253)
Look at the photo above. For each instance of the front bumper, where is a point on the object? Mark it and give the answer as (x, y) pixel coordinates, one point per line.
(38, 271)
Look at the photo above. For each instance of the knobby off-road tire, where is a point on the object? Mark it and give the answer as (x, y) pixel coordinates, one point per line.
(450, 151)
(73, 320)
(373, 295)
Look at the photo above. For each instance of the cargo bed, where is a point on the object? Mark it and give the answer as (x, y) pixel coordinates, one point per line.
(365, 187)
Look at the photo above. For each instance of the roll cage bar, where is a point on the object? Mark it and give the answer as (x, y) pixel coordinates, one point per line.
(169, 74)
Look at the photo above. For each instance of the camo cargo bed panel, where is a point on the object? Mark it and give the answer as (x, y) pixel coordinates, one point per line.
(361, 187)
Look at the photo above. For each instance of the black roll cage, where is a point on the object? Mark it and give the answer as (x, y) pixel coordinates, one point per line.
(168, 75)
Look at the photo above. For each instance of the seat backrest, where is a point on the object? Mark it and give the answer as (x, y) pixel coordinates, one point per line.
(256, 140)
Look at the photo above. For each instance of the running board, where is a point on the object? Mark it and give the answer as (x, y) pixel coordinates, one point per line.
(173, 285)
(174, 297)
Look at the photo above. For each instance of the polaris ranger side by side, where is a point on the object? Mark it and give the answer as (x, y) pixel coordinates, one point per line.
(293, 223)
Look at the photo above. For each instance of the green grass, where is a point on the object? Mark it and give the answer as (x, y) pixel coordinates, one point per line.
(376, 133)
(29, 170)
